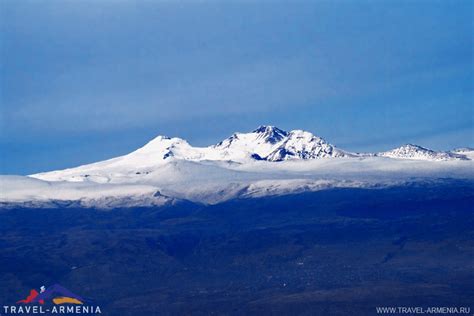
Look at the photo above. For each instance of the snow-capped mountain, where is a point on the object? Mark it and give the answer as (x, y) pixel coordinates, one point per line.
(410, 151)
(266, 161)
(273, 144)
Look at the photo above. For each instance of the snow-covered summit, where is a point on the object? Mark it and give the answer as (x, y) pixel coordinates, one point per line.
(243, 146)
(165, 146)
(410, 151)
(273, 144)
(270, 134)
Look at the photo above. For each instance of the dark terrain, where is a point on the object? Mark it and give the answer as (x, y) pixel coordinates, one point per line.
(334, 252)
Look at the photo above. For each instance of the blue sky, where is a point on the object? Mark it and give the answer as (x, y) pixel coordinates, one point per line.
(86, 80)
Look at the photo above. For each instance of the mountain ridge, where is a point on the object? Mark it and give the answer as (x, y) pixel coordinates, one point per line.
(273, 144)
(265, 162)
(266, 143)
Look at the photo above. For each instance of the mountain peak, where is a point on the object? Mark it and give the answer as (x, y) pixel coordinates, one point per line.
(162, 143)
(271, 143)
(270, 134)
(267, 128)
(411, 151)
(161, 138)
(413, 146)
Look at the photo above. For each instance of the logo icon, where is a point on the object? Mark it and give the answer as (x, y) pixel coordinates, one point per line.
(56, 293)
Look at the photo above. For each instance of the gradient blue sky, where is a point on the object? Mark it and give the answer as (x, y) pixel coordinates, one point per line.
(83, 81)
